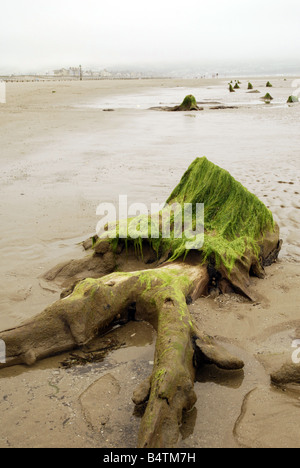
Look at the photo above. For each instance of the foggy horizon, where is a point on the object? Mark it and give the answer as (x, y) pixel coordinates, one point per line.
(36, 36)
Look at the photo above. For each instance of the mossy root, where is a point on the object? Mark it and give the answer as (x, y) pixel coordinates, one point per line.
(160, 298)
(241, 238)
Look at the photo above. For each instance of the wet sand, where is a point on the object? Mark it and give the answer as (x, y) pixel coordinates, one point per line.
(61, 156)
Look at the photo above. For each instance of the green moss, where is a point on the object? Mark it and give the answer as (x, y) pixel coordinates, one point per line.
(159, 375)
(268, 97)
(163, 280)
(236, 86)
(250, 86)
(292, 99)
(269, 85)
(189, 103)
(235, 220)
(231, 88)
(88, 286)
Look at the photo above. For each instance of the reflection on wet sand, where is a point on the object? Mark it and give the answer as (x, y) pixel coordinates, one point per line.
(231, 379)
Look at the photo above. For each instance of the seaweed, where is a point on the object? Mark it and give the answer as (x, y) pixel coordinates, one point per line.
(292, 99)
(235, 220)
(268, 97)
(189, 103)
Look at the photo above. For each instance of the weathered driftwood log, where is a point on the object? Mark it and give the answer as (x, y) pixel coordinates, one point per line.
(240, 239)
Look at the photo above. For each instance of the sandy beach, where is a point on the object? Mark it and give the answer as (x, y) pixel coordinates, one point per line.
(61, 155)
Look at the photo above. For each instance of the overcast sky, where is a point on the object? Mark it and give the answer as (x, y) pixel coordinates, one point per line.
(46, 34)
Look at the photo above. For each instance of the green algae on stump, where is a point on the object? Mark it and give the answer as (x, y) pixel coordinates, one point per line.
(292, 99)
(235, 220)
(250, 86)
(267, 97)
(188, 104)
(240, 238)
(269, 85)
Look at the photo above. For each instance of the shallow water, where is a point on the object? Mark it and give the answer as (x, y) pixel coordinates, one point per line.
(43, 407)
(172, 96)
(220, 396)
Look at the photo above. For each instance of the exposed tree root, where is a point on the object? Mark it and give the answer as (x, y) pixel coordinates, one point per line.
(159, 297)
(241, 237)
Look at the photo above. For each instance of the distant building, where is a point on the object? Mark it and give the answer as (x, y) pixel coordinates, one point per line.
(75, 72)
(71, 72)
(105, 74)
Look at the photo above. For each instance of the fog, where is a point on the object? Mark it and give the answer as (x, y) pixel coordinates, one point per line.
(40, 35)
